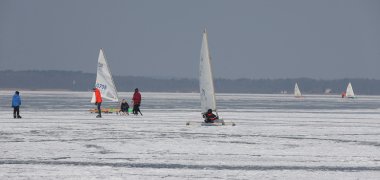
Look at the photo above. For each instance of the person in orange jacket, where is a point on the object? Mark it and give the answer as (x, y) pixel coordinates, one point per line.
(98, 101)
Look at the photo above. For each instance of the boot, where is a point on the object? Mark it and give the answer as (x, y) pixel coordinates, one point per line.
(19, 116)
(98, 116)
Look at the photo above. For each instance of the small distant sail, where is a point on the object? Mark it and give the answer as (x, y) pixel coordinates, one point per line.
(349, 91)
(206, 83)
(297, 92)
(104, 80)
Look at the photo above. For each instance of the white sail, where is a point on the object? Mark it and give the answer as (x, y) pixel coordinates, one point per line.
(297, 92)
(206, 84)
(350, 92)
(104, 81)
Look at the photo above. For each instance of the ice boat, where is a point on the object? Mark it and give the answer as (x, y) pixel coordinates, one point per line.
(206, 84)
(104, 82)
(349, 91)
(297, 92)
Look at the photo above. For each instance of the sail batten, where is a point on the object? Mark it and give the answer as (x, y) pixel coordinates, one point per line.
(206, 83)
(104, 80)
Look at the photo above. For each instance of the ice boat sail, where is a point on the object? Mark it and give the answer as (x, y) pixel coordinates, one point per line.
(297, 92)
(349, 91)
(206, 83)
(104, 81)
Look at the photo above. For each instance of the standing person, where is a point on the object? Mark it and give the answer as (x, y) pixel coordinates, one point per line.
(136, 102)
(16, 103)
(98, 101)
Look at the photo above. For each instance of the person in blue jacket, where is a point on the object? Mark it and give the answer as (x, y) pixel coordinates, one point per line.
(16, 103)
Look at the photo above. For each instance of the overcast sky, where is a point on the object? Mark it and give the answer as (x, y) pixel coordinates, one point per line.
(162, 38)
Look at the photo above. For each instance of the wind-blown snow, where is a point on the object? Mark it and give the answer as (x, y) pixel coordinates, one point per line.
(276, 137)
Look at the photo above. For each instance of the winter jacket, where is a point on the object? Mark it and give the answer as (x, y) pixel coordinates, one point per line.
(124, 106)
(211, 117)
(136, 98)
(16, 100)
(98, 96)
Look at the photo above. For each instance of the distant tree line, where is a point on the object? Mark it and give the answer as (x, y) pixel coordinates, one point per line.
(79, 81)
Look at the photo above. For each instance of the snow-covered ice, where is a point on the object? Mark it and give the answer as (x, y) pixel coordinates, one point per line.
(276, 137)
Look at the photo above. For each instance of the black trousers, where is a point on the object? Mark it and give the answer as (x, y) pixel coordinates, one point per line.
(16, 111)
(99, 110)
(136, 109)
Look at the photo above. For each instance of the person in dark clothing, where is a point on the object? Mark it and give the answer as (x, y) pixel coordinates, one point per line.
(136, 102)
(210, 117)
(16, 103)
(124, 106)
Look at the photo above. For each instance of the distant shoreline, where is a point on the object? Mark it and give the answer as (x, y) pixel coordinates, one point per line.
(53, 80)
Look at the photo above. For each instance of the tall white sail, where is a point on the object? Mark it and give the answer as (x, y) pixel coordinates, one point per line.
(297, 92)
(349, 91)
(206, 83)
(104, 81)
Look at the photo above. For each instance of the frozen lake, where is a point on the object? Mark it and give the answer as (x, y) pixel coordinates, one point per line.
(276, 137)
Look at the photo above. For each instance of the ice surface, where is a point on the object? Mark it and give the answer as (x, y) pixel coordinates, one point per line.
(276, 137)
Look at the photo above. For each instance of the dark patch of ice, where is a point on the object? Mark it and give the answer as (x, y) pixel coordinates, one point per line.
(196, 167)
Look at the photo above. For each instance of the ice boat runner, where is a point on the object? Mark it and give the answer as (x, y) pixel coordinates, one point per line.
(206, 86)
(349, 91)
(297, 92)
(104, 82)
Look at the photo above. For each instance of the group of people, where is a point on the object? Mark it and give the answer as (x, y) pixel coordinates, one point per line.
(136, 100)
(124, 106)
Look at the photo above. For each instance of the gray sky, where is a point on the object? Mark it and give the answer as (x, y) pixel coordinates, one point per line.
(162, 38)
